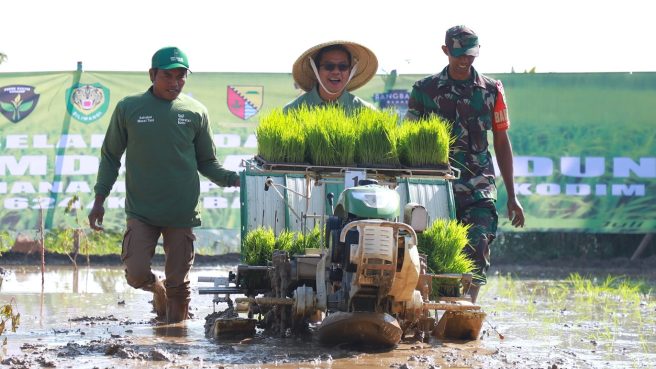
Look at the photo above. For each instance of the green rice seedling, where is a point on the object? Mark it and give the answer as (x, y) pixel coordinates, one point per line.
(285, 241)
(306, 241)
(377, 138)
(330, 136)
(444, 243)
(425, 143)
(258, 246)
(627, 290)
(280, 138)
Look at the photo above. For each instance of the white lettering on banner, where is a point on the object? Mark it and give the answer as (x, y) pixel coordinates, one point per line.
(233, 162)
(251, 141)
(15, 203)
(207, 186)
(532, 166)
(64, 203)
(16, 142)
(601, 189)
(71, 142)
(115, 202)
(37, 165)
(622, 167)
(215, 203)
(22, 187)
(220, 203)
(227, 140)
(580, 189)
(112, 202)
(540, 166)
(628, 190)
(41, 142)
(54, 187)
(119, 187)
(547, 189)
(78, 164)
(97, 141)
(43, 203)
(571, 167)
(78, 187)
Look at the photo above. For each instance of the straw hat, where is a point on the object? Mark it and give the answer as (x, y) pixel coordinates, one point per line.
(365, 59)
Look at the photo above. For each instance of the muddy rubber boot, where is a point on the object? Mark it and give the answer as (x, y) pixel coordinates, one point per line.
(177, 310)
(159, 298)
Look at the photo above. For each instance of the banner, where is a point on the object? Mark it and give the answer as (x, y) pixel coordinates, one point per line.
(584, 144)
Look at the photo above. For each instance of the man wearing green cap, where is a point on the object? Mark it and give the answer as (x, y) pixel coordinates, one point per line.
(475, 104)
(167, 140)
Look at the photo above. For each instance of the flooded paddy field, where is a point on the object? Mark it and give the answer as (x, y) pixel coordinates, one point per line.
(537, 318)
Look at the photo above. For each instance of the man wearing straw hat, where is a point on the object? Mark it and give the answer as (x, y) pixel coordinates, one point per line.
(475, 104)
(328, 72)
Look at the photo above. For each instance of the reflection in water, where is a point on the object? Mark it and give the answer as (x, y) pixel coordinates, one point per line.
(171, 330)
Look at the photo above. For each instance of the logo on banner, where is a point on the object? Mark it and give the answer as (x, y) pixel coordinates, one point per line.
(245, 101)
(87, 102)
(17, 101)
(394, 99)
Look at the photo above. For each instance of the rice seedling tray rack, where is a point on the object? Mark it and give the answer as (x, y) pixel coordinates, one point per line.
(390, 173)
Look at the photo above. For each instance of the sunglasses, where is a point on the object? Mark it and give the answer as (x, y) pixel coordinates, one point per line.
(331, 66)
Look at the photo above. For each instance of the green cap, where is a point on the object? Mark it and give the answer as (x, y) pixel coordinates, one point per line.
(169, 58)
(461, 40)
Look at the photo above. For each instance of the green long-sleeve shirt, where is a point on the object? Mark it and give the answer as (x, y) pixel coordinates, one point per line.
(166, 144)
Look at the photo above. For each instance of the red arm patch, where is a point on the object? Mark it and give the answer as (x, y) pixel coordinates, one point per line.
(501, 121)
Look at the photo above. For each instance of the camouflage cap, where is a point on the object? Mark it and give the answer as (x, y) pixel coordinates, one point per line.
(461, 40)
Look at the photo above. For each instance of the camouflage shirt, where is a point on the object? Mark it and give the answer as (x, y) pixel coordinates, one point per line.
(474, 106)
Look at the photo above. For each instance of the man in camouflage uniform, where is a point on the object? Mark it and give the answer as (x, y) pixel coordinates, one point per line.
(475, 104)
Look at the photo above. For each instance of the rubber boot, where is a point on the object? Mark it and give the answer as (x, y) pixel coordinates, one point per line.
(159, 298)
(177, 310)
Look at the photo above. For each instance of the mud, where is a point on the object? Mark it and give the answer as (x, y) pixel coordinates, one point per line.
(92, 319)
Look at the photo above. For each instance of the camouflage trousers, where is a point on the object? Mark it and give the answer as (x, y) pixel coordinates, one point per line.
(483, 220)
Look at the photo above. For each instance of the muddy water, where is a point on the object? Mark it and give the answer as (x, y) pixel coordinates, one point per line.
(92, 319)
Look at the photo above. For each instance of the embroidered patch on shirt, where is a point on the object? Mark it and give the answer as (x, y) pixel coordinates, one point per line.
(501, 120)
(182, 119)
(146, 119)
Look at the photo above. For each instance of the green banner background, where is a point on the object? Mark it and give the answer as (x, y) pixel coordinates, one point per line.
(585, 147)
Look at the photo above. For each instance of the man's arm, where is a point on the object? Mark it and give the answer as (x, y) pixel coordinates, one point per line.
(97, 213)
(503, 151)
(416, 107)
(110, 162)
(208, 165)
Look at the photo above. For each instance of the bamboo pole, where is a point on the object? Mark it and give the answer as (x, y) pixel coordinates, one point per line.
(643, 245)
